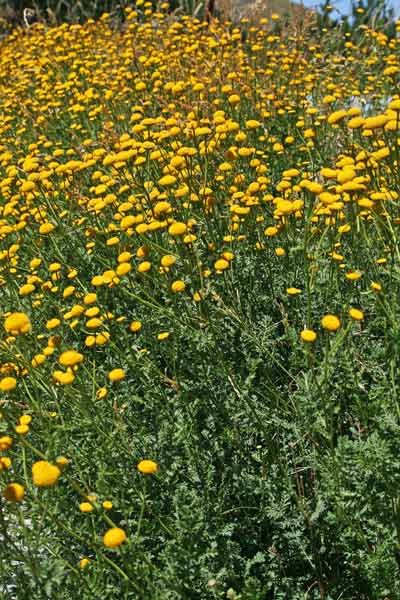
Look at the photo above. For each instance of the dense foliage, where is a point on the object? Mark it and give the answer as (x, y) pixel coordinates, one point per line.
(200, 308)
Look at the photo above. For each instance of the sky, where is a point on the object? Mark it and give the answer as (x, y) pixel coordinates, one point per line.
(344, 5)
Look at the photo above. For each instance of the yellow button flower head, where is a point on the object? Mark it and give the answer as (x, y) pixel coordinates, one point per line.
(144, 266)
(101, 393)
(26, 289)
(7, 384)
(271, 231)
(163, 335)
(102, 338)
(116, 375)
(123, 269)
(86, 507)
(94, 323)
(308, 335)
(114, 537)
(293, 291)
(53, 323)
(135, 326)
(83, 563)
(44, 474)
(147, 467)
(353, 275)
(37, 360)
(90, 298)
(25, 419)
(178, 286)
(234, 99)
(17, 323)
(62, 377)
(221, 264)
(21, 429)
(5, 442)
(167, 180)
(168, 260)
(70, 358)
(46, 228)
(14, 492)
(356, 314)
(252, 124)
(5, 463)
(376, 287)
(330, 322)
(177, 228)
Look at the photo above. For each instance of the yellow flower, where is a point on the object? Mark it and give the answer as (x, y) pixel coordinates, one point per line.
(5, 463)
(97, 280)
(25, 419)
(102, 338)
(14, 492)
(124, 257)
(167, 180)
(353, 275)
(27, 186)
(83, 563)
(116, 375)
(86, 507)
(70, 358)
(221, 264)
(90, 298)
(17, 323)
(135, 326)
(271, 231)
(7, 384)
(144, 266)
(356, 314)
(292, 291)
(147, 467)
(330, 322)
(163, 335)
(308, 335)
(26, 289)
(37, 360)
(101, 393)
(177, 228)
(114, 537)
(376, 287)
(5, 443)
(252, 124)
(107, 505)
(336, 116)
(53, 323)
(21, 429)
(46, 228)
(234, 99)
(94, 323)
(178, 286)
(168, 260)
(65, 378)
(123, 269)
(44, 474)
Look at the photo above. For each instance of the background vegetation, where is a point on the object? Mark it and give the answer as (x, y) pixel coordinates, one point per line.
(199, 254)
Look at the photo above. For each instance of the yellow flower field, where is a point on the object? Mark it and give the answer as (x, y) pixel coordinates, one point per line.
(200, 308)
